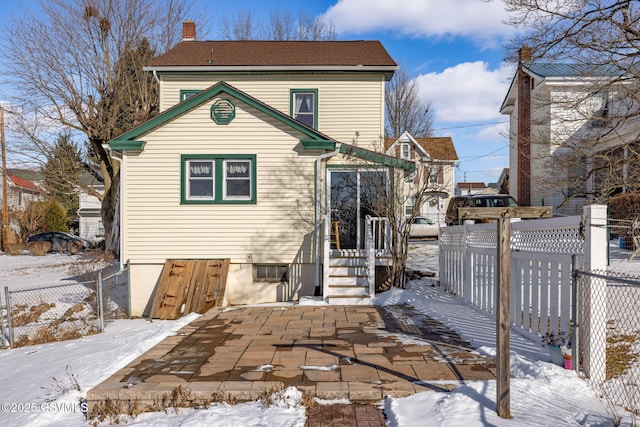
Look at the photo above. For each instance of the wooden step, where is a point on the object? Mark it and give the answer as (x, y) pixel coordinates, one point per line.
(342, 290)
(361, 281)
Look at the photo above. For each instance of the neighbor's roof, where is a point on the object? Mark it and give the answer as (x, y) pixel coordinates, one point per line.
(222, 55)
(23, 182)
(574, 70)
(560, 72)
(466, 185)
(439, 148)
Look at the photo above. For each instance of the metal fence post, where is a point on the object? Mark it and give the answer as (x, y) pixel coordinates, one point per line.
(100, 302)
(575, 333)
(7, 298)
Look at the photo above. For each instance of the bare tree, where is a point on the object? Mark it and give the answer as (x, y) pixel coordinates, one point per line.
(76, 64)
(241, 26)
(282, 25)
(404, 109)
(384, 192)
(593, 151)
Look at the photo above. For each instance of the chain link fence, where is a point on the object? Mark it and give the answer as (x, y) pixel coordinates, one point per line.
(60, 312)
(616, 374)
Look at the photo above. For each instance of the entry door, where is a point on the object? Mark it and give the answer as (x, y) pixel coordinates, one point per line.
(354, 194)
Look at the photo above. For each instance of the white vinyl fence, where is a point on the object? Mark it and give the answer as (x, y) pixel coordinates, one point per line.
(541, 278)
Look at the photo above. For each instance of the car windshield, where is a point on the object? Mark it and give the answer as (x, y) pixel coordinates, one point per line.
(495, 202)
(422, 221)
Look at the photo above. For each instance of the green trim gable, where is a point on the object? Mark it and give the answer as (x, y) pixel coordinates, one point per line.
(204, 96)
(379, 158)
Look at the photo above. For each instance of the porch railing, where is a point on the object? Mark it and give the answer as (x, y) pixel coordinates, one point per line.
(380, 228)
(377, 241)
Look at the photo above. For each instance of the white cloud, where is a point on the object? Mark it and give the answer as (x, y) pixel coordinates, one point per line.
(466, 93)
(479, 20)
(497, 132)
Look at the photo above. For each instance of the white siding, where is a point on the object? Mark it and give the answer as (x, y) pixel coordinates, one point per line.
(347, 103)
(278, 228)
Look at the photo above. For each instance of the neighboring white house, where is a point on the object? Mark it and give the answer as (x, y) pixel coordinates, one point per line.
(473, 188)
(558, 115)
(250, 157)
(435, 172)
(89, 207)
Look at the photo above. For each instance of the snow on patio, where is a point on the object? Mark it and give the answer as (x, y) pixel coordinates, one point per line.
(38, 381)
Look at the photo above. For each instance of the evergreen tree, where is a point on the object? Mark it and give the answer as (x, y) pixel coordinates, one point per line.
(61, 175)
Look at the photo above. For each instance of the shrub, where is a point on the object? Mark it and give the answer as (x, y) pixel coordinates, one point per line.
(14, 248)
(625, 206)
(73, 247)
(38, 248)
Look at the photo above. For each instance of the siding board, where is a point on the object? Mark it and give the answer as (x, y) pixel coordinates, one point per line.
(278, 228)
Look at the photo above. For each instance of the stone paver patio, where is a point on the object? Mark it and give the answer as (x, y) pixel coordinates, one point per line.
(360, 353)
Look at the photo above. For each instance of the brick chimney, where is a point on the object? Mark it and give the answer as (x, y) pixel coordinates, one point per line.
(188, 31)
(524, 53)
(524, 129)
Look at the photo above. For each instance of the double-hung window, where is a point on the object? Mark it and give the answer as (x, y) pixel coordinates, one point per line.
(304, 106)
(188, 93)
(218, 179)
(599, 105)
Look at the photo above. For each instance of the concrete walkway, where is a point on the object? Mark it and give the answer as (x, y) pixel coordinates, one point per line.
(359, 353)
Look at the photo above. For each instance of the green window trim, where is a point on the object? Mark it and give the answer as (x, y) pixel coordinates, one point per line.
(188, 93)
(220, 179)
(292, 104)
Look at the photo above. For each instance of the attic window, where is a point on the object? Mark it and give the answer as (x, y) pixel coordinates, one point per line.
(304, 106)
(404, 151)
(186, 94)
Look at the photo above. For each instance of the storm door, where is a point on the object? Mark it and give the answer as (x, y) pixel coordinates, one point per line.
(354, 194)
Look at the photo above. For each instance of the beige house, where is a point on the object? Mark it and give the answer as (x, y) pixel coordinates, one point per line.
(435, 160)
(253, 158)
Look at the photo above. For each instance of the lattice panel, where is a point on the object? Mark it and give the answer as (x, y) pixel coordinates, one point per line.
(562, 240)
(485, 239)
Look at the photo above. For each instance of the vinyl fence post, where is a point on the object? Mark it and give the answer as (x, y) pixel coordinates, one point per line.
(100, 306)
(467, 268)
(594, 322)
(7, 298)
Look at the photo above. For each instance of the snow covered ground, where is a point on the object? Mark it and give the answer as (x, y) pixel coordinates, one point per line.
(39, 384)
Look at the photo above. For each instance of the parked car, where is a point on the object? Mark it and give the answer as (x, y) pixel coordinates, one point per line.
(59, 240)
(423, 227)
(476, 201)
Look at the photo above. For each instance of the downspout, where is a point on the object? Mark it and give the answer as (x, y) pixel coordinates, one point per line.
(319, 160)
(121, 207)
(155, 76)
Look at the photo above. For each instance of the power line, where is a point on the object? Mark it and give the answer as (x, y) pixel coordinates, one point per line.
(481, 156)
(473, 125)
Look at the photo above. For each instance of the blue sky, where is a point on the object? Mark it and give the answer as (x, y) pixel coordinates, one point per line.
(452, 48)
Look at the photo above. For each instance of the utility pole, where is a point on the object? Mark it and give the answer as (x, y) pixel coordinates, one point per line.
(5, 204)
